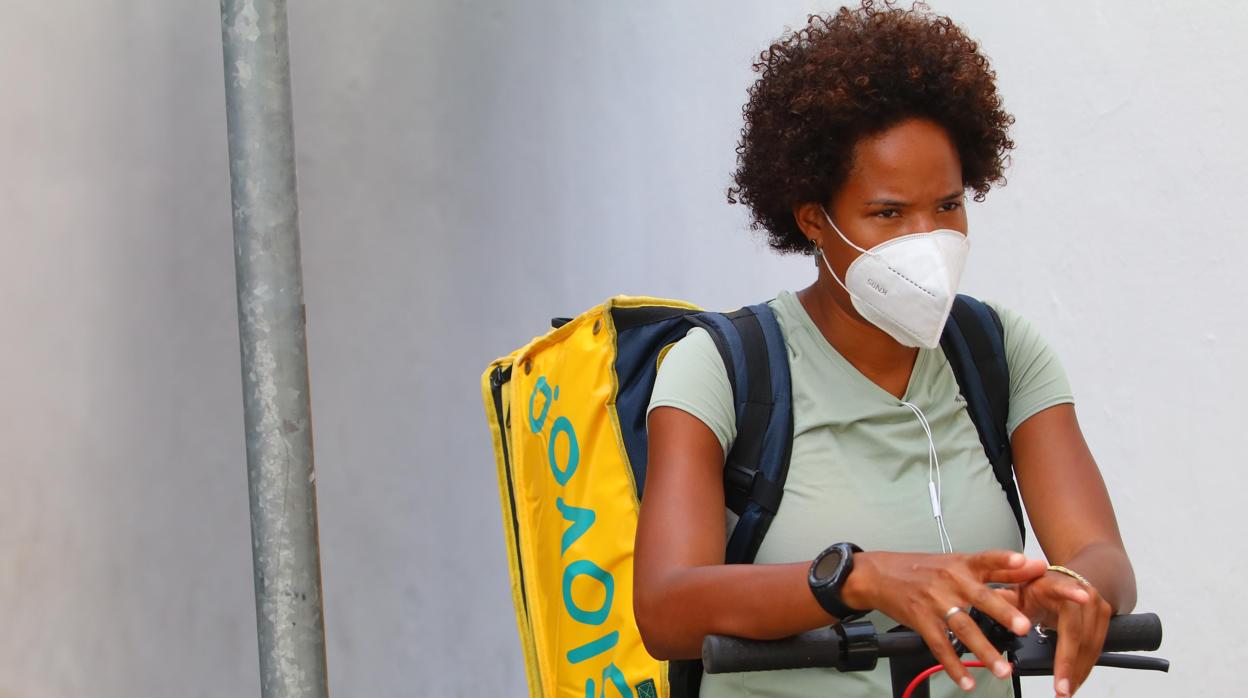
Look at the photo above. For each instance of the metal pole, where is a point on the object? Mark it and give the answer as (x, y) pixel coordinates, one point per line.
(271, 320)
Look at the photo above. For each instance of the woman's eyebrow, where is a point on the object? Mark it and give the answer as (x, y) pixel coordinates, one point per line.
(901, 204)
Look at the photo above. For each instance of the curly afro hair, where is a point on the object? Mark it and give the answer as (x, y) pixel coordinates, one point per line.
(855, 74)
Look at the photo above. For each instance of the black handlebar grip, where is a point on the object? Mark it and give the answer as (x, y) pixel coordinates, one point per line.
(722, 654)
(1138, 632)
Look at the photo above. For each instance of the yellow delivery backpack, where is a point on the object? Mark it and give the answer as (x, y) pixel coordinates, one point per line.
(567, 412)
(568, 416)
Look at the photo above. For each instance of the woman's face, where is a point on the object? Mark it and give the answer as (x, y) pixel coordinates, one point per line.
(907, 179)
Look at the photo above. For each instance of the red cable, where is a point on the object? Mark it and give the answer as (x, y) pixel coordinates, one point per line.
(927, 673)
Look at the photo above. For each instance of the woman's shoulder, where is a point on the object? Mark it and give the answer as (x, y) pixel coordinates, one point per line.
(696, 348)
(1019, 331)
(1037, 378)
(691, 377)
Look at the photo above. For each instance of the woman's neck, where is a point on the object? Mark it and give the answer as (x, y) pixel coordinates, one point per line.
(869, 349)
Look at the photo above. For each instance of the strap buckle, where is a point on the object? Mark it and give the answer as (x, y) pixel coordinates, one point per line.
(750, 485)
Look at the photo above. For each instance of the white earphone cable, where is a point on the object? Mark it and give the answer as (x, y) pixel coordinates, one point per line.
(933, 484)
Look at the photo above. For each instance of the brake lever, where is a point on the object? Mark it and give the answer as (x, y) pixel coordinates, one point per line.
(1034, 656)
(998, 635)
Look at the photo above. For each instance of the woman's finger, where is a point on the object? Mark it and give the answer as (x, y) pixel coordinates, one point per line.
(1096, 624)
(1010, 595)
(969, 633)
(1083, 660)
(1069, 639)
(933, 632)
(988, 561)
(996, 606)
(1029, 570)
(1004, 566)
(1072, 592)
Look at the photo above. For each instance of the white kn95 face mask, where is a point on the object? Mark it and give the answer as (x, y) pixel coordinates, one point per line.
(906, 286)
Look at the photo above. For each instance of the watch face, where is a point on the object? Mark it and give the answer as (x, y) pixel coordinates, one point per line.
(828, 564)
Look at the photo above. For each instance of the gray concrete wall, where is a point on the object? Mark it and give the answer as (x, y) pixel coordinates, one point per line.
(467, 170)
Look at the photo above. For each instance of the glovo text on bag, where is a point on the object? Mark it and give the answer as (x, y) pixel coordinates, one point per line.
(563, 455)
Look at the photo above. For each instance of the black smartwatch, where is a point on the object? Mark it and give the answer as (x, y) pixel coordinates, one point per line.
(827, 577)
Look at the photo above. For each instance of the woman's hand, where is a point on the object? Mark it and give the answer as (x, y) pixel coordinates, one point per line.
(1081, 617)
(918, 589)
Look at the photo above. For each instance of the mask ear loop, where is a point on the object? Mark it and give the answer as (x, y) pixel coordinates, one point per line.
(824, 257)
(838, 231)
(835, 278)
(933, 486)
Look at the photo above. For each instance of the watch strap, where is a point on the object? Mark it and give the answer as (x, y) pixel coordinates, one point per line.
(827, 590)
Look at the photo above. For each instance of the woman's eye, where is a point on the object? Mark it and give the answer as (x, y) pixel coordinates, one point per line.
(951, 206)
(888, 213)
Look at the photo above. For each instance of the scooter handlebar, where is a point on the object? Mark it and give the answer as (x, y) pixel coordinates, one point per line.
(826, 647)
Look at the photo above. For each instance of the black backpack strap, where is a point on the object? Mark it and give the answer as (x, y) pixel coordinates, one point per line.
(752, 345)
(729, 344)
(684, 678)
(758, 464)
(974, 342)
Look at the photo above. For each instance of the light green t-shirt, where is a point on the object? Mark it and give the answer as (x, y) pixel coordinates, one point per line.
(859, 468)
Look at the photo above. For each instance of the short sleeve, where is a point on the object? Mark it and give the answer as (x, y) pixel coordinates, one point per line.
(1037, 379)
(692, 378)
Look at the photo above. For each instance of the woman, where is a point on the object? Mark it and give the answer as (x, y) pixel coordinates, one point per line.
(865, 128)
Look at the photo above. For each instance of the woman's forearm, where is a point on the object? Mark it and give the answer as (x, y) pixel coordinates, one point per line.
(761, 602)
(1108, 569)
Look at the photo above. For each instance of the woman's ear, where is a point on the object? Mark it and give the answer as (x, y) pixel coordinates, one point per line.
(810, 220)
